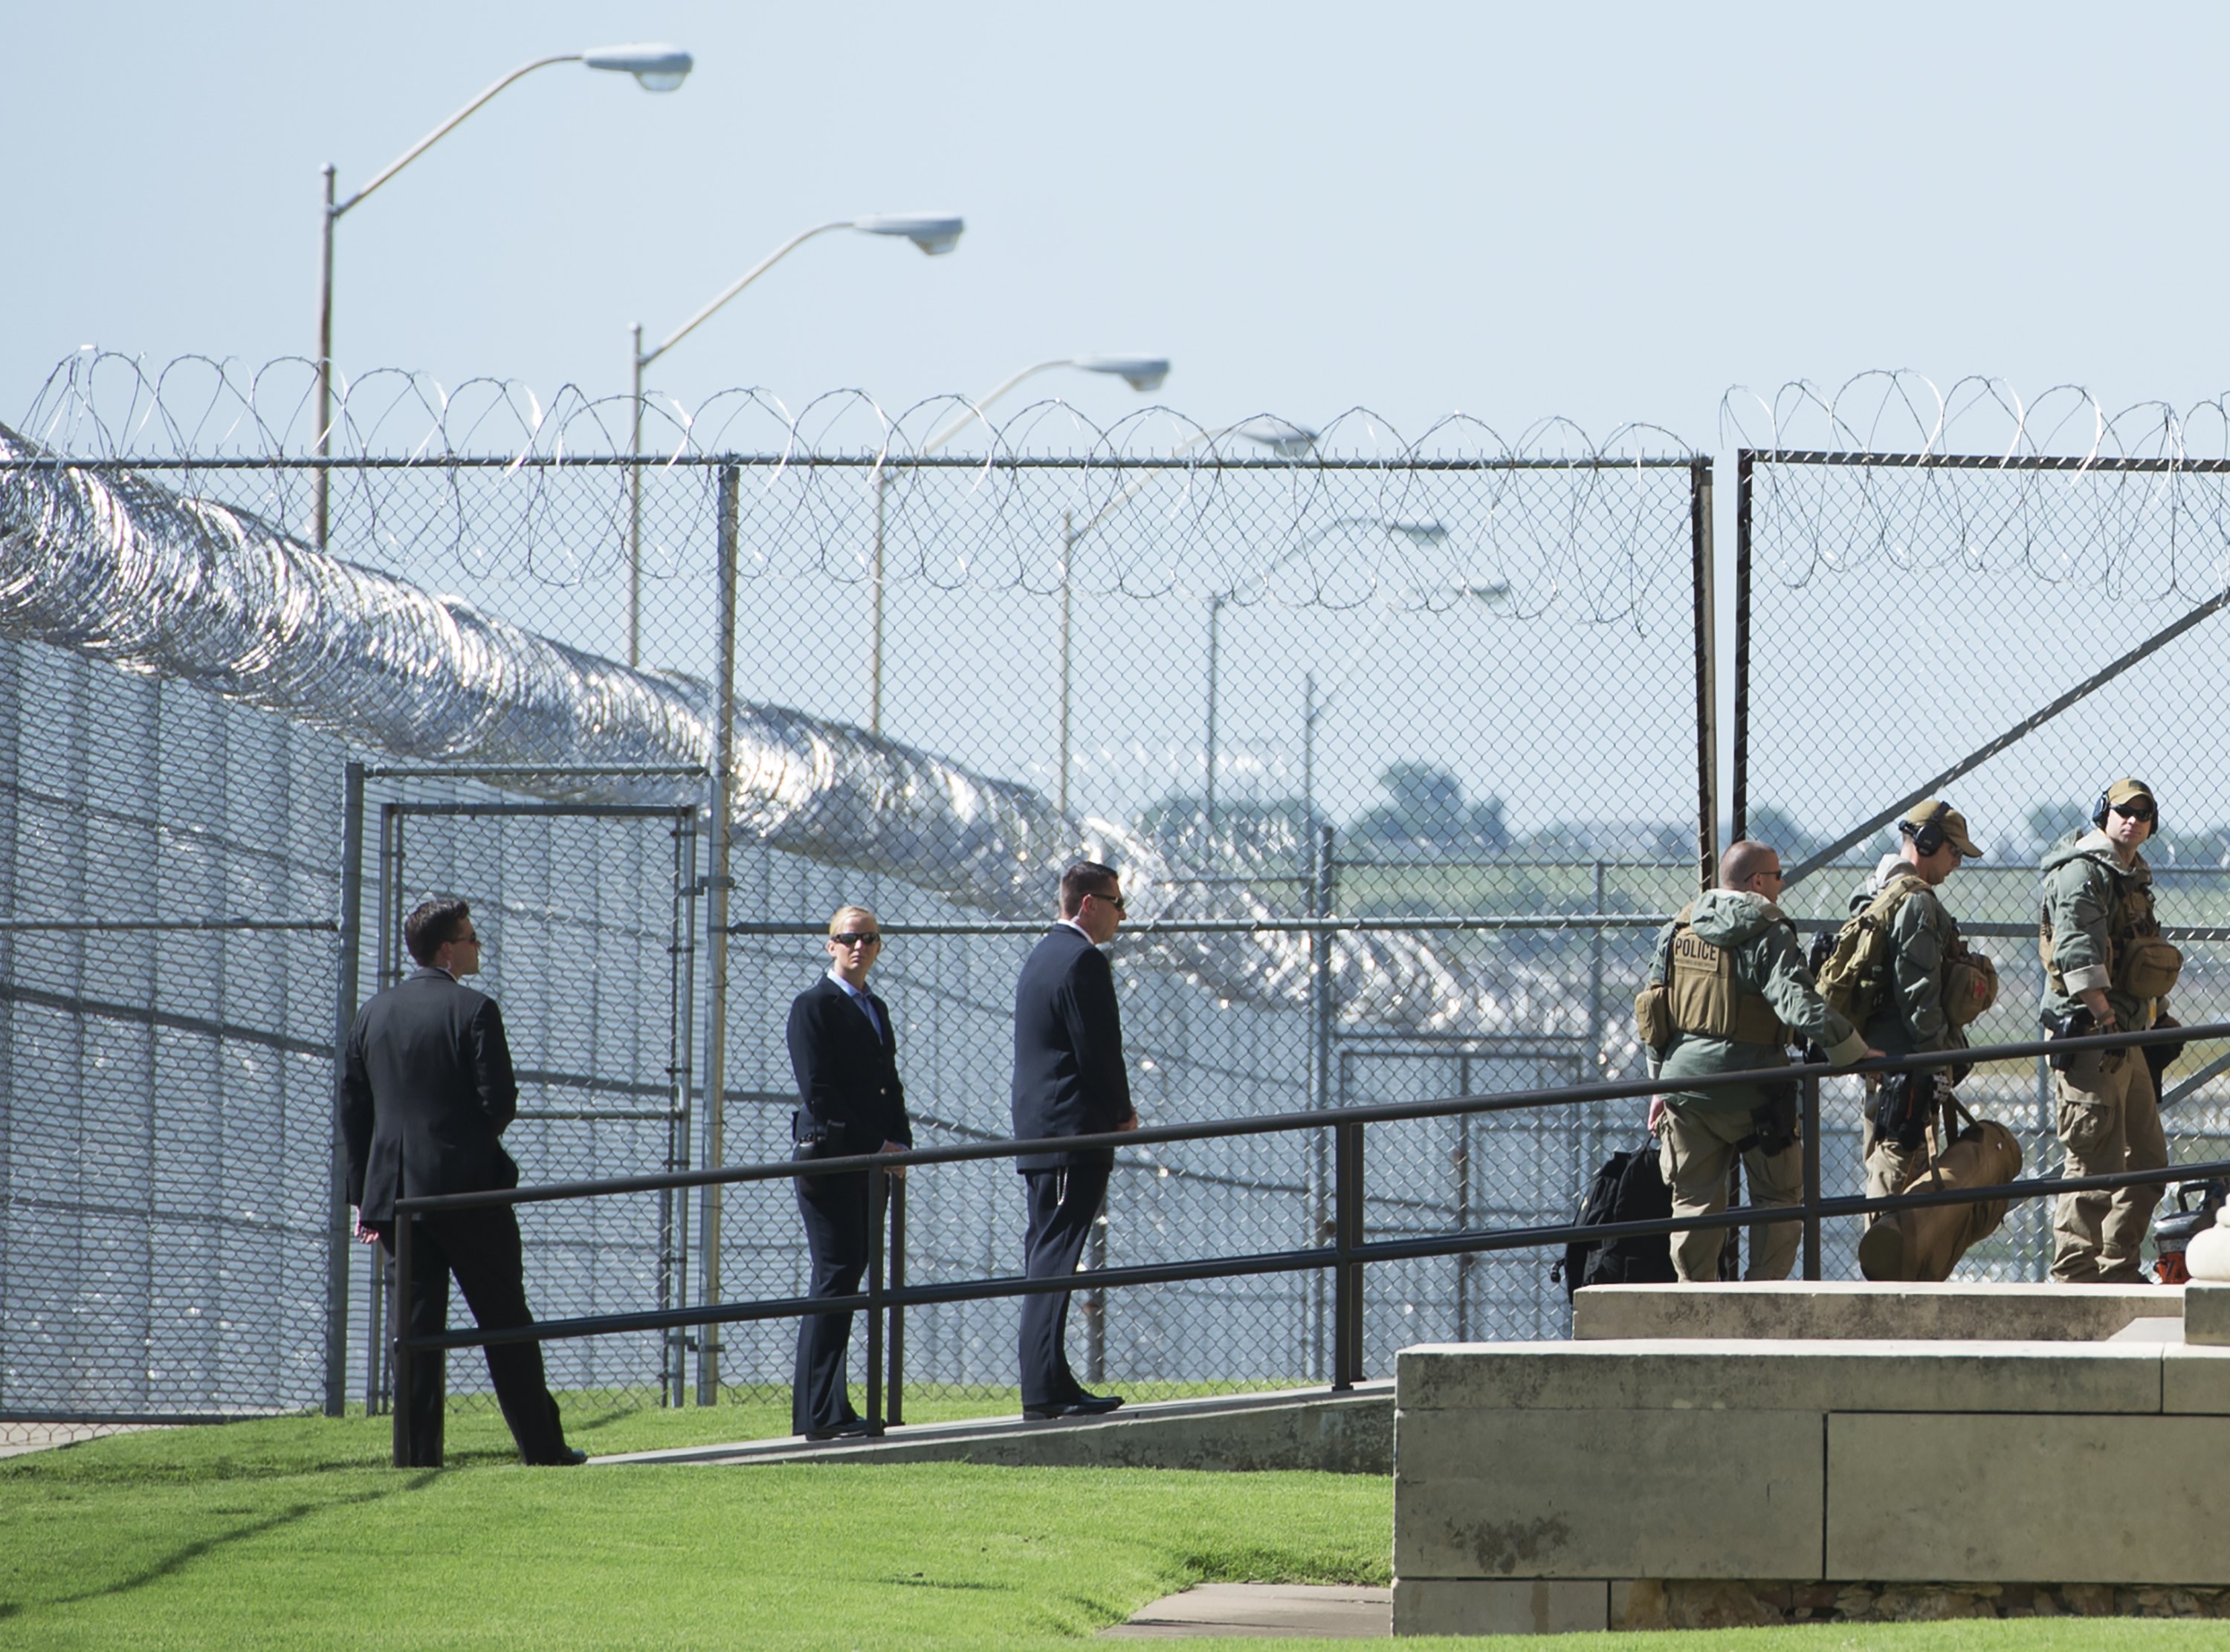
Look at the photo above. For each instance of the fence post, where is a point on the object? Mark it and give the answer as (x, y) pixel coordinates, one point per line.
(681, 1041)
(1812, 1179)
(337, 1259)
(717, 883)
(1707, 688)
(894, 1400)
(406, 1445)
(879, 1193)
(1740, 778)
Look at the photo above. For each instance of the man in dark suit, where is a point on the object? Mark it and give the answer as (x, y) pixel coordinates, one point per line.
(845, 1054)
(1069, 1080)
(426, 1091)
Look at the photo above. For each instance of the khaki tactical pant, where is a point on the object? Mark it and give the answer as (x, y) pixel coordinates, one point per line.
(2098, 1236)
(1698, 1151)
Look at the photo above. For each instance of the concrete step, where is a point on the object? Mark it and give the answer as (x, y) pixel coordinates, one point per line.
(1288, 1428)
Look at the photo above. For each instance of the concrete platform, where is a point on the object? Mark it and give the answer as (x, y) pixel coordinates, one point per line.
(1296, 1428)
(1539, 1486)
(1856, 1309)
(1260, 1610)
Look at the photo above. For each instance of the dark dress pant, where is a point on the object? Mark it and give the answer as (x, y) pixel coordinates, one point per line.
(834, 1210)
(1063, 1205)
(481, 1248)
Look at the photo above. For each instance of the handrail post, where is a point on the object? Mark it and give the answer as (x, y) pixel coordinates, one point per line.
(1347, 1274)
(879, 1184)
(1812, 1179)
(895, 1398)
(405, 1442)
(1320, 904)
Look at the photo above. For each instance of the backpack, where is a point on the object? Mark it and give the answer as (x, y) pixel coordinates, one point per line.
(1629, 1187)
(1851, 968)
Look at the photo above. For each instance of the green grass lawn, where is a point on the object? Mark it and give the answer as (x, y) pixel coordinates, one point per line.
(282, 1534)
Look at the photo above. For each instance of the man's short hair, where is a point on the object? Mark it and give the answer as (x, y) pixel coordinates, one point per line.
(432, 924)
(1744, 859)
(1085, 878)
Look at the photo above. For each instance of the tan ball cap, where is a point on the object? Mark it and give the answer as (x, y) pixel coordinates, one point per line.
(1953, 826)
(2129, 791)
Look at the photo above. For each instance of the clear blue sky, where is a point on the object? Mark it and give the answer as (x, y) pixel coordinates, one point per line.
(1608, 212)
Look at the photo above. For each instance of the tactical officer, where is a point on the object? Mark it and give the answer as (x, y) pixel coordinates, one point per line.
(1728, 989)
(2106, 969)
(1930, 988)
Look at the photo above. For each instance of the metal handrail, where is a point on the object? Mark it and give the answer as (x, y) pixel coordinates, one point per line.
(1347, 1255)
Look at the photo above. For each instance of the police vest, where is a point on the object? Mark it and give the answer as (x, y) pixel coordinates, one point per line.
(1702, 997)
(2140, 964)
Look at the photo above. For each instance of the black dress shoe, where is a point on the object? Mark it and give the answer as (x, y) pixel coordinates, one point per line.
(567, 1458)
(851, 1428)
(1083, 1406)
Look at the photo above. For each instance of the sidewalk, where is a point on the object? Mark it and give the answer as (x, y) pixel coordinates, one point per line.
(1262, 1609)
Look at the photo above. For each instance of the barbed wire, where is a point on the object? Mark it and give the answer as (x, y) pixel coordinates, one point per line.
(1261, 510)
(2134, 505)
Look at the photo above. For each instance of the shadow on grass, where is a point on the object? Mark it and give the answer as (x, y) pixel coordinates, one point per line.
(172, 1564)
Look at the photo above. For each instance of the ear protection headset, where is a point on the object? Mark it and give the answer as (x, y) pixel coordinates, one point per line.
(1928, 835)
(2098, 812)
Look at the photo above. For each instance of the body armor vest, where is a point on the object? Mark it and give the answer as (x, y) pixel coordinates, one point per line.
(1702, 997)
(2138, 962)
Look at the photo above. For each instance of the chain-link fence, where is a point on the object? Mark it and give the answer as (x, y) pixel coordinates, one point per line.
(1188, 649)
(167, 958)
(2011, 628)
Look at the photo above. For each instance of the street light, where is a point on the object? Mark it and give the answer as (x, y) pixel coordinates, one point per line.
(1141, 373)
(936, 233)
(655, 67)
(1426, 532)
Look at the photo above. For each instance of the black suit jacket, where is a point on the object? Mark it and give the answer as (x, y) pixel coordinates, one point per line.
(426, 1092)
(850, 1098)
(1069, 1077)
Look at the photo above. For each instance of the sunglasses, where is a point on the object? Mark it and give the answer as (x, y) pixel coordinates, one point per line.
(2143, 813)
(868, 939)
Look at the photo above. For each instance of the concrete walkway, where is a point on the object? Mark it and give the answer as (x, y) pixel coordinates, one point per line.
(1296, 1428)
(1260, 1610)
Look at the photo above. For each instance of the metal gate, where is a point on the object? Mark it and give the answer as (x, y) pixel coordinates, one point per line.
(598, 997)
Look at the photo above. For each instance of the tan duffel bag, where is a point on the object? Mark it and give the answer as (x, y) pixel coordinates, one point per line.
(1926, 1243)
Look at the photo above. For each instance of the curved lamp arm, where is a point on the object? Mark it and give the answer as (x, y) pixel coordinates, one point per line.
(448, 125)
(976, 408)
(738, 285)
(1140, 372)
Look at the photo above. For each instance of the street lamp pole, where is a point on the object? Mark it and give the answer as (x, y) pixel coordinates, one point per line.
(1141, 373)
(935, 234)
(656, 68)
